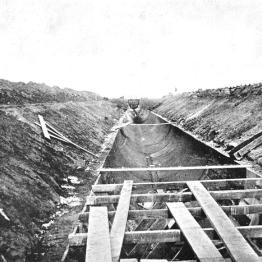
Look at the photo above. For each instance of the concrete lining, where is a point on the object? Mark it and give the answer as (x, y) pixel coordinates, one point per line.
(164, 145)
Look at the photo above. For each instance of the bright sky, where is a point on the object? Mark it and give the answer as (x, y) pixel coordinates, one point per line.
(132, 47)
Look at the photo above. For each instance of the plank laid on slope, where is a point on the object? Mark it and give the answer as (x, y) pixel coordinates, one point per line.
(194, 234)
(98, 243)
(44, 128)
(245, 150)
(119, 225)
(244, 143)
(235, 243)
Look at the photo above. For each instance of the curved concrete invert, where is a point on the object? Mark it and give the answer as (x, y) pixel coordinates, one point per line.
(164, 145)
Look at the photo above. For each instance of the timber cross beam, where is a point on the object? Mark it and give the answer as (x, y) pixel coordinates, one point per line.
(205, 192)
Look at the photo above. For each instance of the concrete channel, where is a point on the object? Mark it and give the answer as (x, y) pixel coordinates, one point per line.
(154, 153)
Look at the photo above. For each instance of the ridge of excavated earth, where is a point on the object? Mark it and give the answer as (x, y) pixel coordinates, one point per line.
(226, 116)
(37, 174)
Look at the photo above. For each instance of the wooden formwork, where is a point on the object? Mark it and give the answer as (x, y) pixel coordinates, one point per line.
(118, 225)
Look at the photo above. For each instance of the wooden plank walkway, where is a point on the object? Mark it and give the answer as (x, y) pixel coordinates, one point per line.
(203, 241)
(235, 243)
(118, 228)
(200, 243)
(98, 243)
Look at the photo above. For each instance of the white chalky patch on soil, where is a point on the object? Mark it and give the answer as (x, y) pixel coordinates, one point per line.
(3, 214)
(74, 180)
(71, 201)
(68, 187)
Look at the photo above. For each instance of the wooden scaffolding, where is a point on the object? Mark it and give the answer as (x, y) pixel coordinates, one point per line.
(110, 206)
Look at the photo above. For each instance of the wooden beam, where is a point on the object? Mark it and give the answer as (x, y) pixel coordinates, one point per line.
(178, 185)
(195, 211)
(235, 243)
(244, 143)
(246, 149)
(120, 219)
(163, 236)
(134, 237)
(129, 260)
(98, 242)
(54, 134)
(56, 131)
(173, 197)
(153, 260)
(140, 198)
(176, 168)
(60, 137)
(140, 249)
(44, 128)
(162, 260)
(200, 243)
(155, 124)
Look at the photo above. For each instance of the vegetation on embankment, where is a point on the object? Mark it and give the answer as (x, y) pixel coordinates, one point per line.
(33, 169)
(226, 116)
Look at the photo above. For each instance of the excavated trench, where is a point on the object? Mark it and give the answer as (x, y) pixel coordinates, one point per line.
(153, 142)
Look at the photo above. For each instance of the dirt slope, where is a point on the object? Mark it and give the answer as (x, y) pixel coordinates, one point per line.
(33, 169)
(226, 116)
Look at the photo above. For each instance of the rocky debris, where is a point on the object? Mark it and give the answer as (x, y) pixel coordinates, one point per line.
(33, 169)
(226, 116)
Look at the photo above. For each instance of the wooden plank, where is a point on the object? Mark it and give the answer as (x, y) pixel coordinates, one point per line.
(155, 124)
(246, 149)
(59, 138)
(56, 131)
(194, 234)
(140, 250)
(98, 243)
(162, 260)
(140, 198)
(163, 236)
(143, 225)
(62, 138)
(54, 134)
(44, 128)
(153, 260)
(195, 211)
(235, 243)
(175, 197)
(214, 183)
(118, 228)
(244, 143)
(176, 168)
(129, 260)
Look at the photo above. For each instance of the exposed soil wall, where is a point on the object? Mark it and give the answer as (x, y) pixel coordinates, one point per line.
(226, 116)
(32, 168)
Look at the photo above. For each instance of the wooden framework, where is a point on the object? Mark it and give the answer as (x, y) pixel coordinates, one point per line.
(154, 228)
(49, 131)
